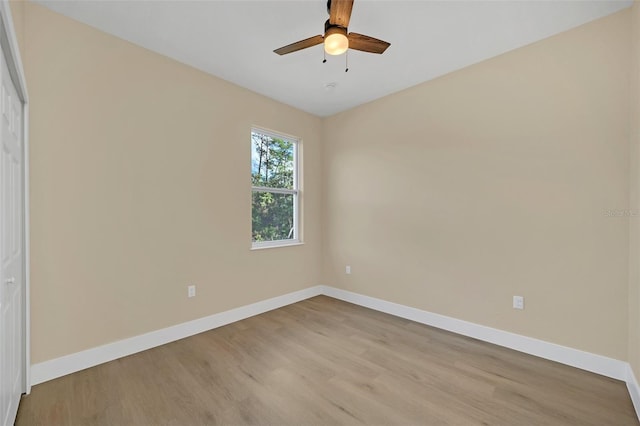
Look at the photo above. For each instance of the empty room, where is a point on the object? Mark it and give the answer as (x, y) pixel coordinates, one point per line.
(301, 212)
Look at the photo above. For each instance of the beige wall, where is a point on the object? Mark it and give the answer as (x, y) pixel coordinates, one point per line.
(17, 11)
(140, 184)
(634, 205)
(490, 182)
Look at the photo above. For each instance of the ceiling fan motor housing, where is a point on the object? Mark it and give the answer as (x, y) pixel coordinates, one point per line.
(328, 27)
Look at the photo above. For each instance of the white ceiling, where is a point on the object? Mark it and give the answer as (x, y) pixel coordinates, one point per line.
(235, 39)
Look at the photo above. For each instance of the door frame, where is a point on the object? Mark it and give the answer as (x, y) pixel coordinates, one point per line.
(9, 44)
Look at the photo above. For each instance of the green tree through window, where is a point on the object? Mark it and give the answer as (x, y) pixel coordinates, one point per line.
(274, 203)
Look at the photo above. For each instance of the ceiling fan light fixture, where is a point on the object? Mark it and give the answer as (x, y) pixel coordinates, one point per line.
(336, 41)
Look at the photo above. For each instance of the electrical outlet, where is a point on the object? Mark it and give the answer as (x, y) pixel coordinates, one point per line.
(518, 302)
(347, 269)
(191, 291)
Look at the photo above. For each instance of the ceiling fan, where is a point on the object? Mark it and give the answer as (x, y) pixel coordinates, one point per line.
(336, 39)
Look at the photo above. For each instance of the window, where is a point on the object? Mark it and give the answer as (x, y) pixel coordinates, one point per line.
(274, 189)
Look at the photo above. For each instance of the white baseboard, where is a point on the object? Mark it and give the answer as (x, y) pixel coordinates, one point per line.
(574, 357)
(634, 389)
(68, 364)
(599, 364)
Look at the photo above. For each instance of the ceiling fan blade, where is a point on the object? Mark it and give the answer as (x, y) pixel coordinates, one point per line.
(299, 45)
(367, 44)
(340, 12)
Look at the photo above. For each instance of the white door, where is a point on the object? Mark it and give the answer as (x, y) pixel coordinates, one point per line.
(11, 249)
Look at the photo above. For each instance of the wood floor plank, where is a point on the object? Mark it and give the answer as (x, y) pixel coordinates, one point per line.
(327, 362)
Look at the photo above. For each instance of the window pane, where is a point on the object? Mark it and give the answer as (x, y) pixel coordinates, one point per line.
(271, 161)
(272, 216)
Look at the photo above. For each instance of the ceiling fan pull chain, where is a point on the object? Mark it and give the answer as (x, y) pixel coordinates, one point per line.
(346, 62)
(324, 56)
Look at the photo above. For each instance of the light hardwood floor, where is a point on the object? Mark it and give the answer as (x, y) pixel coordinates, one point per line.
(327, 362)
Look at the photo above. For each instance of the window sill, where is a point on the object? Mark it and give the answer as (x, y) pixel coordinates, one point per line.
(277, 245)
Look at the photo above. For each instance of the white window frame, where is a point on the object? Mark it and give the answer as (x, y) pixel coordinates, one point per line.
(296, 240)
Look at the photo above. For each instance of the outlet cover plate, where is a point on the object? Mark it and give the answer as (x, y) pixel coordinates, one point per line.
(518, 302)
